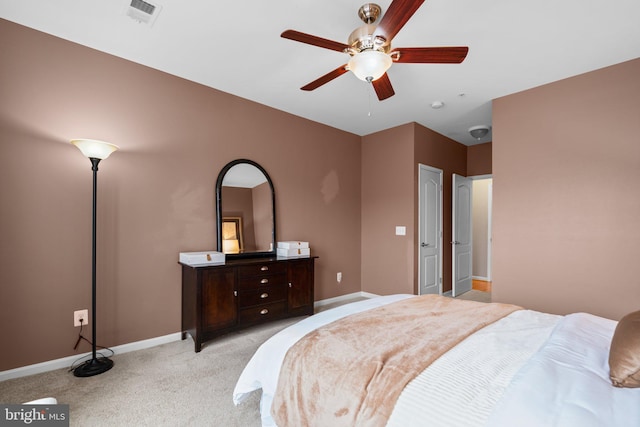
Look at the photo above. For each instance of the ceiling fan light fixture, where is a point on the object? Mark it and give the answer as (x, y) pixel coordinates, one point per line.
(369, 65)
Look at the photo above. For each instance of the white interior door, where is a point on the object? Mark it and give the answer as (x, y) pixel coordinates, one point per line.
(430, 230)
(462, 235)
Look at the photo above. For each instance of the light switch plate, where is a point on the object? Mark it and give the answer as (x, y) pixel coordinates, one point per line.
(401, 230)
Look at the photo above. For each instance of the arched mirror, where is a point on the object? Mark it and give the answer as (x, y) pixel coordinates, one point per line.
(245, 210)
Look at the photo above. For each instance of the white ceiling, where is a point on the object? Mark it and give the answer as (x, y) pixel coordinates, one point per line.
(235, 46)
(243, 175)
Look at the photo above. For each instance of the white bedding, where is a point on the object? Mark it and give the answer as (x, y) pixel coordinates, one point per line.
(538, 351)
(462, 387)
(567, 382)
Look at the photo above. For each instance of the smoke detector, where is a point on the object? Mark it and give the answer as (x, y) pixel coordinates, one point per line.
(143, 11)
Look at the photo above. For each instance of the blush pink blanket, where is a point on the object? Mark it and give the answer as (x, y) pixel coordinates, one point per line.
(351, 372)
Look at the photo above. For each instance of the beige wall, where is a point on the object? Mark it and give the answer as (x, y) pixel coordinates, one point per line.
(387, 202)
(479, 159)
(156, 195)
(566, 168)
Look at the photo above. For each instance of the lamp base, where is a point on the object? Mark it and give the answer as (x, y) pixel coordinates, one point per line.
(93, 367)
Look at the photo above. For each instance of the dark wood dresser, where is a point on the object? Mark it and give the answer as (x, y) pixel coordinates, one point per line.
(218, 299)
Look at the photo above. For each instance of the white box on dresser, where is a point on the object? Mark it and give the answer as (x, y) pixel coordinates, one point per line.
(293, 245)
(290, 253)
(202, 258)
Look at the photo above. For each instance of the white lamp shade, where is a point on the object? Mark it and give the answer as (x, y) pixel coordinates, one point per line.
(369, 65)
(92, 148)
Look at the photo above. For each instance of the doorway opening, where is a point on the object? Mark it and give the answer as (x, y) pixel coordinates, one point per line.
(482, 232)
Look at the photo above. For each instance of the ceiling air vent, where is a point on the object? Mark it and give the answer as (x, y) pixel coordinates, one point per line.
(143, 11)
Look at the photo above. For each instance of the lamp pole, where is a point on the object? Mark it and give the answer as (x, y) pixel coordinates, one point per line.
(95, 151)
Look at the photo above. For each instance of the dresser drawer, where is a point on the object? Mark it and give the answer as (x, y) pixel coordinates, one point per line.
(262, 313)
(262, 281)
(261, 269)
(262, 296)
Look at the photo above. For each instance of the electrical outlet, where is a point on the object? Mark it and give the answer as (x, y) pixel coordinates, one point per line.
(81, 315)
(339, 277)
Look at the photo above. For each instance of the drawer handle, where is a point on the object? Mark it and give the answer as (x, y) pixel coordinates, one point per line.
(264, 268)
(264, 295)
(264, 311)
(264, 281)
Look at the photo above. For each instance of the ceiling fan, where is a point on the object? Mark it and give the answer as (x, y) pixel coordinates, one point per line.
(370, 47)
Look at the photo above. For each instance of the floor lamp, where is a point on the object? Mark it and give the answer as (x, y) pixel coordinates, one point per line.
(95, 151)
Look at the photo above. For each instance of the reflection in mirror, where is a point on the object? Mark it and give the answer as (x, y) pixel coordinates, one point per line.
(232, 241)
(245, 210)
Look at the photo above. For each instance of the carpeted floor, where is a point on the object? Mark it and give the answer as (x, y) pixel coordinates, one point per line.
(167, 385)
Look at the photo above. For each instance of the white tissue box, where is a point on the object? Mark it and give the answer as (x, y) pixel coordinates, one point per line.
(293, 245)
(202, 258)
(293, 252)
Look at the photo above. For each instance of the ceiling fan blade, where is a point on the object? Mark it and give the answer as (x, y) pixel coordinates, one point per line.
(313, 40)
(383, 87)
(431, 55)
(326, 78)
(398, 13)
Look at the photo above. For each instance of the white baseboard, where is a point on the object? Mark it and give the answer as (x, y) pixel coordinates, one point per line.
(341, 298)
(484, 279)
(66, 362)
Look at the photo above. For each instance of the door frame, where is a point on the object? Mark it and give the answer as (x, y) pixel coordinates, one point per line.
(440, 172)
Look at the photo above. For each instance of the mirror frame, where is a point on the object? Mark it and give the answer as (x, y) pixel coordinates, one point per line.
(221, 176)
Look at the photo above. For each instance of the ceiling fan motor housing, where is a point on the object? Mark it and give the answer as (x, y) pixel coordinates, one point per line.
(362, 39)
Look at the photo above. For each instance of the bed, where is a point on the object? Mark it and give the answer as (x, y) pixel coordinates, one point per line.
(405, 360)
